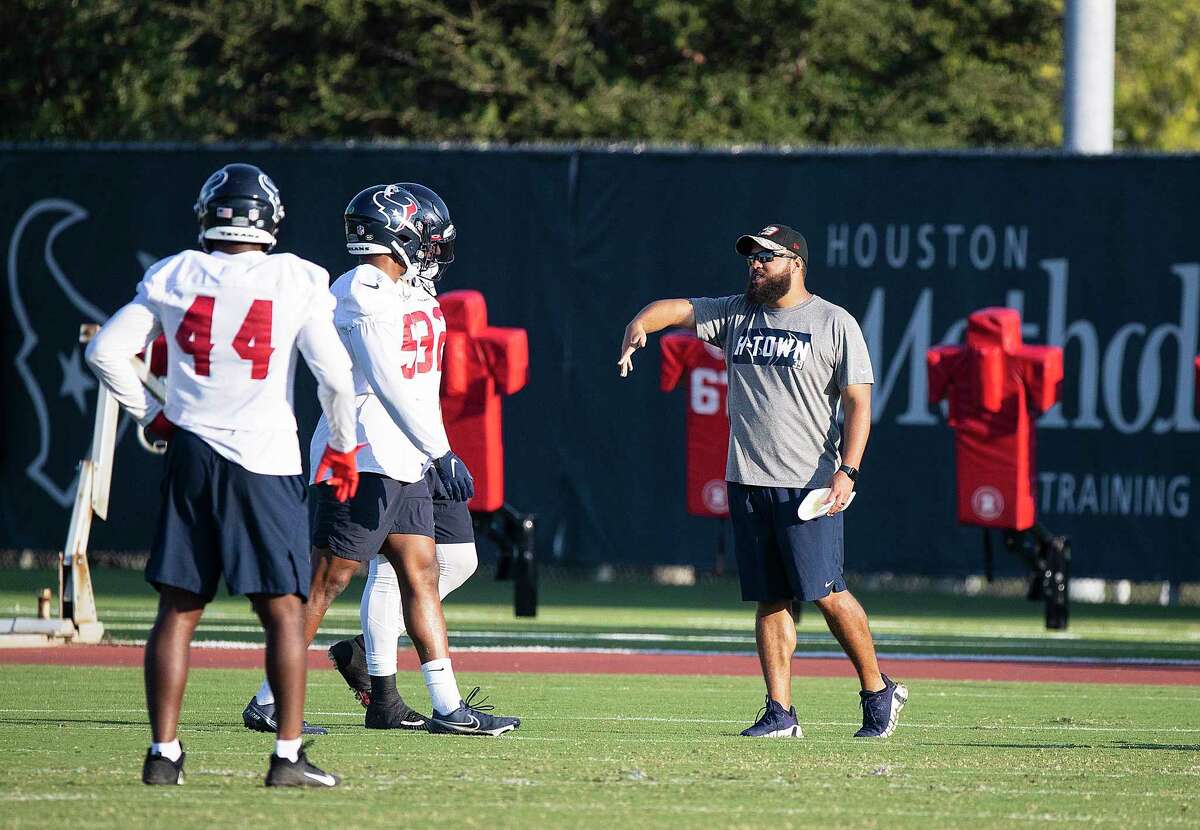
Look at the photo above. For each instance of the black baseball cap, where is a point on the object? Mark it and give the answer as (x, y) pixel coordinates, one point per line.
(775, 238)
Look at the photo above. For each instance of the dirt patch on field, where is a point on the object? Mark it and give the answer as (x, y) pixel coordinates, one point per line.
(584, 662)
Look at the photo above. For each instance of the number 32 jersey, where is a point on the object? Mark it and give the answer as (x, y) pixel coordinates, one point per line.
(233, 324)
(395, 333)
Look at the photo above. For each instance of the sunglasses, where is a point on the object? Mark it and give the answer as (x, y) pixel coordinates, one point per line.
(766, 256)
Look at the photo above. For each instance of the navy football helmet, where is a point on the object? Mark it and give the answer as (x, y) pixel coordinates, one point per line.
(383, 220)
(438, 228)
(239, 203)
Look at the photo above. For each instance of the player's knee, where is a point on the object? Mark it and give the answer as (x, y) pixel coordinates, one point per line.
(172, 600)
(766, 608)
(277, 609)
(338, 576)
(456, 564)
(838, 603)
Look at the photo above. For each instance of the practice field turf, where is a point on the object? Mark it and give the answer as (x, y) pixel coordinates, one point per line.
(628, 750)
(614, 751)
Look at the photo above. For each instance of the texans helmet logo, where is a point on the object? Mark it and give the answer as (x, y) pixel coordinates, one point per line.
(396, 214)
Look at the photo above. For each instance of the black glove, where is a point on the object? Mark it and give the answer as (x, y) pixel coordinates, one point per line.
(455, 476)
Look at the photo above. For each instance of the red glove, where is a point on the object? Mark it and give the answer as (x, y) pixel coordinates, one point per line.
(160, 428)
(343, 471)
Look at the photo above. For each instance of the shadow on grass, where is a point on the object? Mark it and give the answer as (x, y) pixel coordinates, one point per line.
(1173, 747)
(51, 721)
(1030, 745)
(1042, 745)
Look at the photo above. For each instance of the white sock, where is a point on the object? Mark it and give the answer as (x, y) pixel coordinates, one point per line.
(265, 696)
(171, 750)
(288, 749)
(381, 610)
(443, 688)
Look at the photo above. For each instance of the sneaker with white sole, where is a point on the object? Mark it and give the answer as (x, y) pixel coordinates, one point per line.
(298, 773)
(774, 722)
(393, 714)
(881, 710)
(471, 718)
(260, 717)
(159, 769)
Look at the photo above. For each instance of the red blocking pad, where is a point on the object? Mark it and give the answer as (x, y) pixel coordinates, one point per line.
(995, 387)
(480, 364)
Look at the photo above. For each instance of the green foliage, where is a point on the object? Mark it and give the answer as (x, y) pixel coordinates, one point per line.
(1158, 85)
(923, 73)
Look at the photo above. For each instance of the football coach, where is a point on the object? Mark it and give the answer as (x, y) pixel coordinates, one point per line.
(793, 358)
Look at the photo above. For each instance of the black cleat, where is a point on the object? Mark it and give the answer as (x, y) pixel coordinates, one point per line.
(298, 773)
(349, 657)
(260, 717)
(394, 714)
(158, 769)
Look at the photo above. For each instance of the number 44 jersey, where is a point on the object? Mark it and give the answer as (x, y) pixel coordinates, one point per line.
(707, 419)
(233, 324)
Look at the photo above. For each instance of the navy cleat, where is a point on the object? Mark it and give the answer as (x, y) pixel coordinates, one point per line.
(774, 722)
(394, 714)
(881, 710)
(387, 710)
(158, 769)
(298, 773)
(260, 717)
(349, 657)
(471, 718)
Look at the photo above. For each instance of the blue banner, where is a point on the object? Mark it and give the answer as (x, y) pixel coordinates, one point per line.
(1100, 255)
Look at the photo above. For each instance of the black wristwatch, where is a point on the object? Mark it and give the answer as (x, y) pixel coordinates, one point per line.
(851, 472)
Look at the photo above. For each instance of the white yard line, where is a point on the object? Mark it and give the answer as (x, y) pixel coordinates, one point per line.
(458, 639)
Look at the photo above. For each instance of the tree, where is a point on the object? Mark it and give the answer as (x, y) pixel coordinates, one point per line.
(923, 73)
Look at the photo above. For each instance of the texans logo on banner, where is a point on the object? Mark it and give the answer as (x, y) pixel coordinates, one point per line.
(49, 306)
(772, 347)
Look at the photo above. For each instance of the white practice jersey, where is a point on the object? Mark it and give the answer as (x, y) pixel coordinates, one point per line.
(395, 334)
(234, 324)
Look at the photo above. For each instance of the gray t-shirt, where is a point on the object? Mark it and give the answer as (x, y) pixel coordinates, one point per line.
(787, 368)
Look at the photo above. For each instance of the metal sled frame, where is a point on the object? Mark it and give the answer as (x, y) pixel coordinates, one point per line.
(79, 620)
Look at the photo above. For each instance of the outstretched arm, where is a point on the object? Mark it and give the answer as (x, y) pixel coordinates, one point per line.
(657, 316)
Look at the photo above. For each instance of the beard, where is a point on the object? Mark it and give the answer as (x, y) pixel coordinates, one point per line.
(767, 290)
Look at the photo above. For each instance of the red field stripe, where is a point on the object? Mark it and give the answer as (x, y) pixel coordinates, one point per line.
(574, 662)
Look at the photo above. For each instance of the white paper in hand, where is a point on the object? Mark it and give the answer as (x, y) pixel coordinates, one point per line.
(817, 503)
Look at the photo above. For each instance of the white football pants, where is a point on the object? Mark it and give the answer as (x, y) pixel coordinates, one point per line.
(381, 613)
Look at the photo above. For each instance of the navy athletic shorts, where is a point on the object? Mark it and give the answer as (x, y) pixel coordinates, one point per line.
(451, 519)
(356, 529)
(780, 557)
(219, 518)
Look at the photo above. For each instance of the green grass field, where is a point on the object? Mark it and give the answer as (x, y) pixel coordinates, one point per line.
(627, 750)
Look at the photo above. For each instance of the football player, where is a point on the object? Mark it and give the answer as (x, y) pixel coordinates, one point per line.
(234, 316)
(381, 609)
(395, 333)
